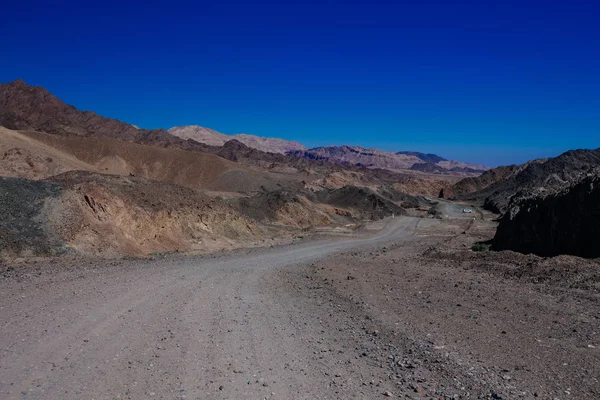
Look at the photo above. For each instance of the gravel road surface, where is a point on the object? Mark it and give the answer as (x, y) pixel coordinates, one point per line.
(171, 328)
(404, 312)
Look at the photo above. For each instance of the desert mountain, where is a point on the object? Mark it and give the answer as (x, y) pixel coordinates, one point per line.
(374, 158)
(33, 108)
(496, 187)
(214, 138)
(110, 215)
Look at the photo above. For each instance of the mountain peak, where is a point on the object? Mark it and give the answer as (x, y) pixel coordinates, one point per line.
(18, 82)
(26, 107)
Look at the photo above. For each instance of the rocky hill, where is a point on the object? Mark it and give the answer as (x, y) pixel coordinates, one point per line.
(549, 223)
(33, 108)
(107, 215)
(498, 186)
(474, 187)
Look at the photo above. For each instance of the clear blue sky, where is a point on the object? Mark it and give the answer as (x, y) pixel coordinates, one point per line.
(488, 82)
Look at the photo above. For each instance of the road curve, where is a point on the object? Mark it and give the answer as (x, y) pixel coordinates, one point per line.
(194, 328)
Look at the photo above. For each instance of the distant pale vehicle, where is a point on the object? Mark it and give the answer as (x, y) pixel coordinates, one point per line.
(467, 210)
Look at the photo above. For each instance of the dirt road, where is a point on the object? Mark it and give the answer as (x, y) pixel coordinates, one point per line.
(183, 328)
(289, 323)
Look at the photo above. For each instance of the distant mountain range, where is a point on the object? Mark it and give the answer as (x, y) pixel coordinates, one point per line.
(345, 155)
(33, 108)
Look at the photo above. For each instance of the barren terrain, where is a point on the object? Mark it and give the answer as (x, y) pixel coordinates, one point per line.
(405, 310)
(268, 274)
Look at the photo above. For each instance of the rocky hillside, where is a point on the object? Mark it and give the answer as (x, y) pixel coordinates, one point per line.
(473, 187)
(364, 203)
(374, 158)
(565, 221)
(107, 215)
(33, 108)
(498, 186)
(214, 138)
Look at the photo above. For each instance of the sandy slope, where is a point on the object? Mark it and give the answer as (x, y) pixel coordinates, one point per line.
(22, 156)
(35, 155)
(186, 168)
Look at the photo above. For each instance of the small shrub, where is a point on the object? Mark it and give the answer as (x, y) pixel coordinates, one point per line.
(481, 247)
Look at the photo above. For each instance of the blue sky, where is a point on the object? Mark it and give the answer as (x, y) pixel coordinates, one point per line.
(485, 82)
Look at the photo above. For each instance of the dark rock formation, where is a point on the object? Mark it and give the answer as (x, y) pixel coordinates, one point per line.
(564, 222)
(370, 204)
(497, 186)
(23, 222)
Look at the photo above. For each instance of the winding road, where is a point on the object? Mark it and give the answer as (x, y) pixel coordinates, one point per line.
(207, 327)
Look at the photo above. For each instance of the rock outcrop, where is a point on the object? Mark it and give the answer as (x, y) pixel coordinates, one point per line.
(496, 187)
(566, 221)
